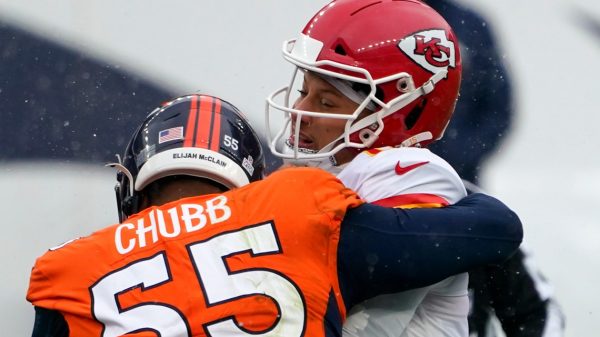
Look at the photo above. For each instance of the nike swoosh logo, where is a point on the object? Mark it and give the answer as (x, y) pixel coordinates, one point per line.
(402, 170)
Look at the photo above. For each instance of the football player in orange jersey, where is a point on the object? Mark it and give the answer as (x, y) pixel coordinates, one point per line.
(285, 256)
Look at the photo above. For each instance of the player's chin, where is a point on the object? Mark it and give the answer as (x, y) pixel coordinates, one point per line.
(289, 165)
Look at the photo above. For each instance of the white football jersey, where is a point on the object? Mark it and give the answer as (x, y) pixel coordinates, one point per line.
(408, 177)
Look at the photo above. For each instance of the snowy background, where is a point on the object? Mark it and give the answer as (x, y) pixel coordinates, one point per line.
(548, 168)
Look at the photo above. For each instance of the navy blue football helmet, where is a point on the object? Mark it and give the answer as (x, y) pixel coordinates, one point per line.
(194, 135)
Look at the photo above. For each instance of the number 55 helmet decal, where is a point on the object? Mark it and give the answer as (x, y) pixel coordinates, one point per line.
(404, 55)
(195, 135)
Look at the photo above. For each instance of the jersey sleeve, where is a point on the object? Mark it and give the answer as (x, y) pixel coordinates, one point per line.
(520, 297)
(40, 288)
(49, 275)
(49, 323)
(394, 249)
(59, 278)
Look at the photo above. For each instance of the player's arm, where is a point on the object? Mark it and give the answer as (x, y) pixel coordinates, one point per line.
(513, 293)
(49, 323)
(511, 290)
(386, 250)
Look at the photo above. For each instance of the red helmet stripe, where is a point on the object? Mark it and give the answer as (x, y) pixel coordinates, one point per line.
(204, 122)
(216, 127)
(191, 123)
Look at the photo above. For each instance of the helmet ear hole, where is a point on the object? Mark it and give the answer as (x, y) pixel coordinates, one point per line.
(414, 114)
(339, 49)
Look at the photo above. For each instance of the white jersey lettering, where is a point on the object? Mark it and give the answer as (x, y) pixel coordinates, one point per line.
(149, 228)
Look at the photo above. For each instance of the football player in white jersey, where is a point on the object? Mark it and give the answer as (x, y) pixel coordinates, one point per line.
(376, 82)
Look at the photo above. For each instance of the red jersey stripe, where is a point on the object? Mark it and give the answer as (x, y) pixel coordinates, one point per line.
(372, 152)
(417, 200)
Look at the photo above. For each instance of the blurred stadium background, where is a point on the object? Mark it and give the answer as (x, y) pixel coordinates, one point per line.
(76, 78)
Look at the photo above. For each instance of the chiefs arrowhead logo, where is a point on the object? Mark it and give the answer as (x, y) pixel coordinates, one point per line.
(430, 49)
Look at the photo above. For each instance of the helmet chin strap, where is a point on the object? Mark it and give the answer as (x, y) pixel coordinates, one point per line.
(331, 166)
(328, 164)
(288, 148)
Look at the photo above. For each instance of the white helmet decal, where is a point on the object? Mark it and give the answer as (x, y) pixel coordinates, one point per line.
(430, 49)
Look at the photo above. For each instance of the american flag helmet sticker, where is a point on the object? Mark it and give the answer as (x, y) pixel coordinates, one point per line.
(175, 133)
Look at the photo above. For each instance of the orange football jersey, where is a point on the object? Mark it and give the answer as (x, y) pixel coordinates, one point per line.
(256, 260)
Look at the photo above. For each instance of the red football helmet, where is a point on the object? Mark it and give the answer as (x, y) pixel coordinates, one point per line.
(402, 51)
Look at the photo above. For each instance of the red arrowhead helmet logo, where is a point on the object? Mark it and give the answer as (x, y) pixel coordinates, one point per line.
(430, 49)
